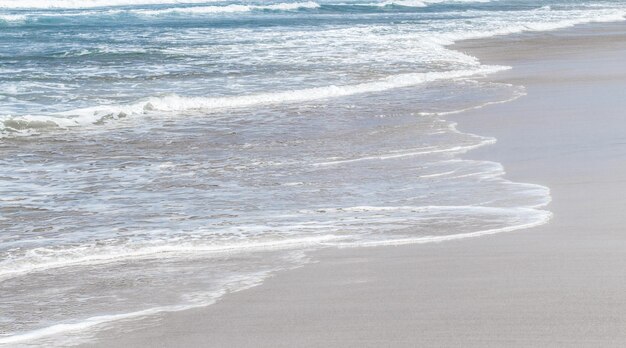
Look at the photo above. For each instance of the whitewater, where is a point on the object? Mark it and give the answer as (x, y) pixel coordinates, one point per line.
(157, 155)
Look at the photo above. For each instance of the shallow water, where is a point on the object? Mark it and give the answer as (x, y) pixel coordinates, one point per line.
(158, 155)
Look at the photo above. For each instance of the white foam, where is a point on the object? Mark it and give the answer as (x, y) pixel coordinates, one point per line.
(423, 3)
(78, 4)
(437, 175)
(175, 103)
(541, 217)
(405, 3)
(41, 259)
(518, 94)
(532, 216)
(233, 285)
(178, 103)
(13, 18)
(69, 4)
(447, 39)
(290, 6)
(426, 151)
(44, 259)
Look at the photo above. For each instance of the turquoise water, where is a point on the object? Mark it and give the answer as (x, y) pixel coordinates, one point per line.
(155, 155)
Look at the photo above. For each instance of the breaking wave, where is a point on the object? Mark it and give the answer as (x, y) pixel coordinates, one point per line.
(176, 103)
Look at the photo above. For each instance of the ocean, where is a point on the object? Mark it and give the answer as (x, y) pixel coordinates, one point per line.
(157, 155)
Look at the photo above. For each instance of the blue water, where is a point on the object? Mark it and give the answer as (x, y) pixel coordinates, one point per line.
(155, 155)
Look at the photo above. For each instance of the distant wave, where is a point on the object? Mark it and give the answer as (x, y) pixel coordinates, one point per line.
(421, 3)
(51, 4)
(289, 6)
(78, 4)
(12, 18)
(230, 8)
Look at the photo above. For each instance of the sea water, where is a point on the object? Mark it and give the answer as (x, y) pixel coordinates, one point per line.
(156, 155)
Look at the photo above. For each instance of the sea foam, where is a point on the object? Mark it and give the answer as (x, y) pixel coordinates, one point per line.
(175, 103)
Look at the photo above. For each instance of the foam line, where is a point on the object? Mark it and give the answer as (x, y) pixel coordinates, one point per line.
(84, 256)
(87, 323)
(175, 103)
(543, 217)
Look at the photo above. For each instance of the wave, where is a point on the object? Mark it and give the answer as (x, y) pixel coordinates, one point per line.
(98, 253)
(541, 218)
(69, 4)
(520, 92)
(231, 286)
(448, 39)
(189, 10)
(42, 259)
(80, 4)
(13, 18)
(527, 218)
(233, 8)
(411, 153)
(91, 322)
(16, 18)
(212, 9)
(403, 3)
(176, 103)
(423, 3)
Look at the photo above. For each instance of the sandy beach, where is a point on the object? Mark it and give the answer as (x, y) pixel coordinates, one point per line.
(562, 284)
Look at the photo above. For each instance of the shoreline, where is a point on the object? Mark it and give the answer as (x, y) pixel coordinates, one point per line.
(294, 308)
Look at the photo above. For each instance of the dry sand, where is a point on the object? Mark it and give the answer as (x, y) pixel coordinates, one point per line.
(562, 284)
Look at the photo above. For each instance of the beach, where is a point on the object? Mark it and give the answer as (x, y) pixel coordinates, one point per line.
(320, 173)
(558, 285)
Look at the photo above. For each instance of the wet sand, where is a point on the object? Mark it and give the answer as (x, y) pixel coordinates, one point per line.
(561, 284)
